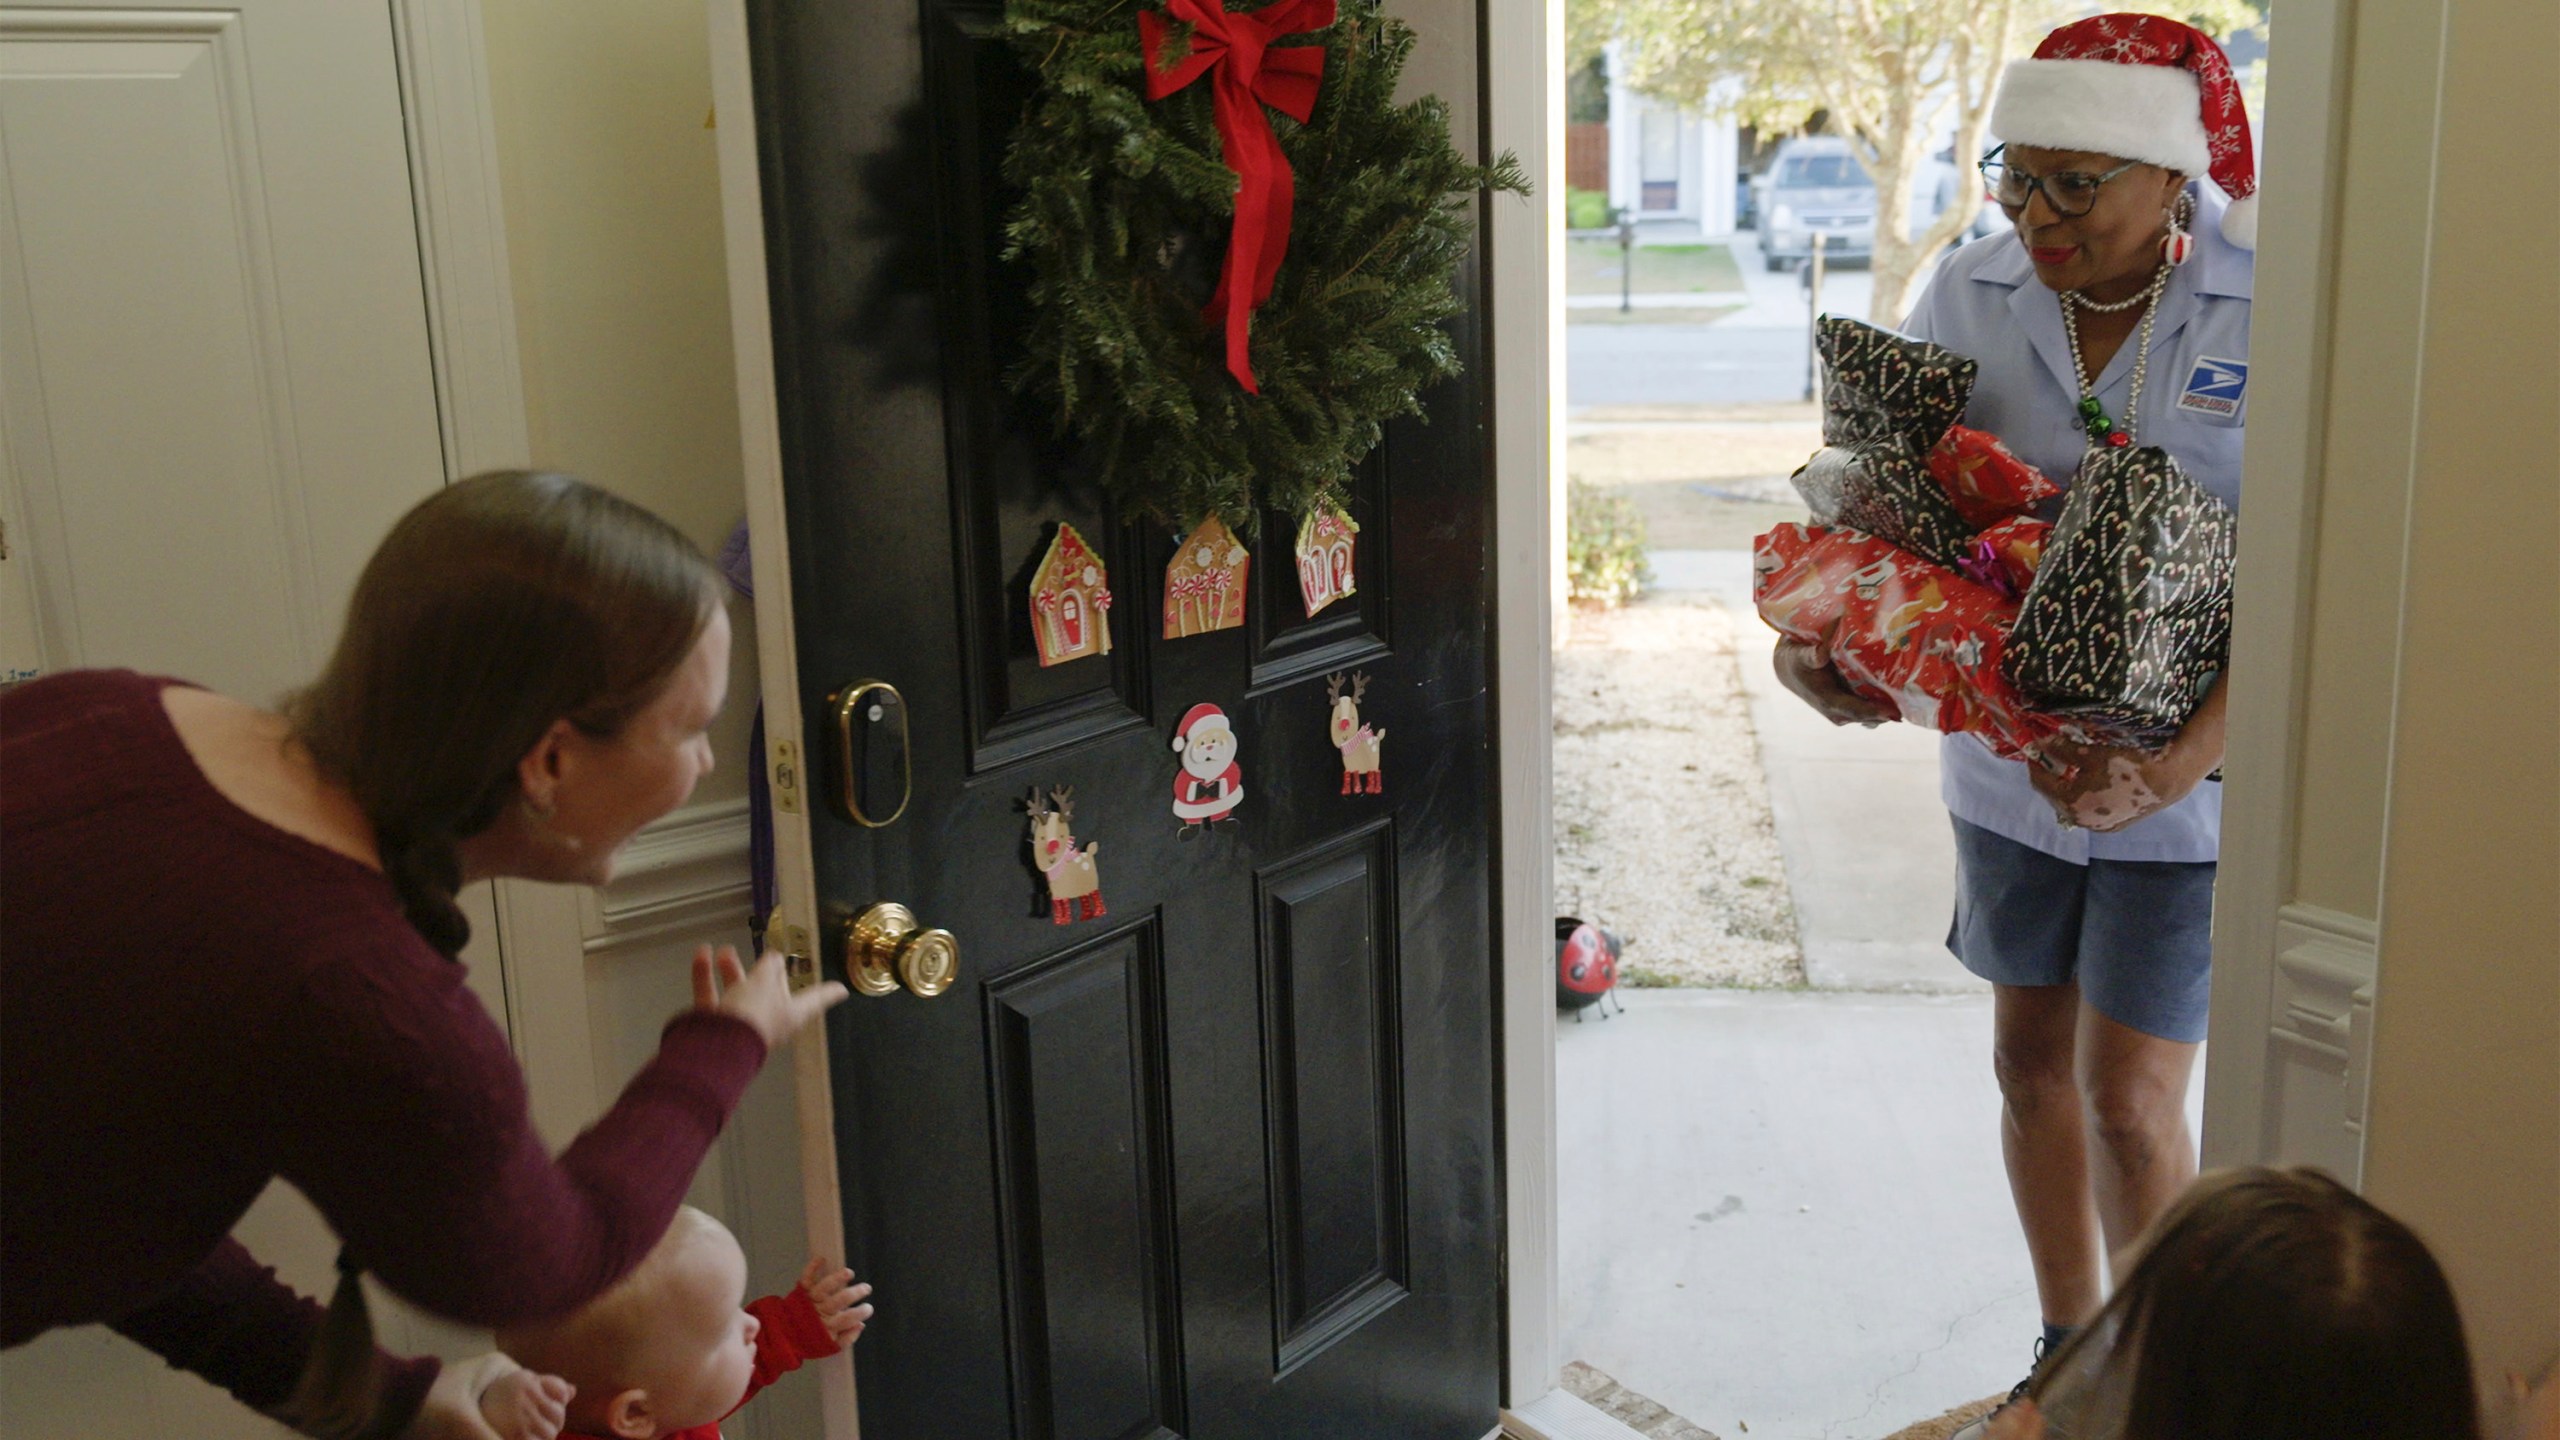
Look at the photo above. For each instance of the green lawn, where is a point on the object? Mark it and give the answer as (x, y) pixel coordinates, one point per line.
(1591, 268)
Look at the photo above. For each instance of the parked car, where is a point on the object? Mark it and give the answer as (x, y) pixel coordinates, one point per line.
(1988, 220)
(1817, 187)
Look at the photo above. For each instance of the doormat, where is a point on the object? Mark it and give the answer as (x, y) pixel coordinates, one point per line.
(1628, 1408)
(1945, 1425)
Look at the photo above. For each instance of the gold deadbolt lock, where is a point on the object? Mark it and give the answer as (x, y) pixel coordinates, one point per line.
(884, 947)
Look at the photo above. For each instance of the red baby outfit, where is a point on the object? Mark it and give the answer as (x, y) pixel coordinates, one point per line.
(791, 1333)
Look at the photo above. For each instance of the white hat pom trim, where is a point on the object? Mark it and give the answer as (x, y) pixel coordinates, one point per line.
(2240, 222)
(2151, 113)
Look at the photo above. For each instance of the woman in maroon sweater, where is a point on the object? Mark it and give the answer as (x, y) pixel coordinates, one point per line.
(229, 950)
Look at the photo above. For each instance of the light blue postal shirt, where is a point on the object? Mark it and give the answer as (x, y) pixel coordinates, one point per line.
(1986, 303)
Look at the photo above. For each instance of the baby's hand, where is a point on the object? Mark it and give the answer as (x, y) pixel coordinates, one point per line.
(490, 1397)
(522, 1405)
(831, 1289)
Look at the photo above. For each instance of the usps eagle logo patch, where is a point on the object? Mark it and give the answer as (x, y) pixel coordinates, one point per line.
(2215, 387)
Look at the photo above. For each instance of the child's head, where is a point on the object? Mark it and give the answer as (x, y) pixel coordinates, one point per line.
(665, 1350)
(2278, 1303)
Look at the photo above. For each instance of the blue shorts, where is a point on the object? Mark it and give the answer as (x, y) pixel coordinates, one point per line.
(2136, 935)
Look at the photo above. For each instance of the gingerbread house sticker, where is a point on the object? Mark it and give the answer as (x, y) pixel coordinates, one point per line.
(1071, 601)
(1327, 549)
(1204, 586)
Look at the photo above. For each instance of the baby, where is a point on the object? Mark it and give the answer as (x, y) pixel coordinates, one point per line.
(669, 1353)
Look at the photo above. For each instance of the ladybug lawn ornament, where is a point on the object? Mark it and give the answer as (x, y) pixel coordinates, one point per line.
(1586, 965)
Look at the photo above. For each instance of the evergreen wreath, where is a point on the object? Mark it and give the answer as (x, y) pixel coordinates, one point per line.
(1123, 216)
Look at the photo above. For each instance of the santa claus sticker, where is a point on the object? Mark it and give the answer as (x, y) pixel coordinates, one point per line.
(1211, 784)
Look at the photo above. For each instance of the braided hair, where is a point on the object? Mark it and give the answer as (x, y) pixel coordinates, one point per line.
(499, 606)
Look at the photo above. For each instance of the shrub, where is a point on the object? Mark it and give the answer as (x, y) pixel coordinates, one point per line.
(1587, 210)
(1604, 545)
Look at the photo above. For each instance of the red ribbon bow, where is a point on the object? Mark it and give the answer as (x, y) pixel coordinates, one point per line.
(1249, 76)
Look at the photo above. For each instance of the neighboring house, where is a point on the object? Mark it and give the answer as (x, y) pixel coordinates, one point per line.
(1666, 163)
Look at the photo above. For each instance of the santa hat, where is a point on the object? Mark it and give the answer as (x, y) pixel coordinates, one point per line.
(2142, 87)
(1199, 721)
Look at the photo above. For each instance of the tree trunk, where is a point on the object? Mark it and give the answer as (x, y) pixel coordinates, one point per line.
(1895, 258)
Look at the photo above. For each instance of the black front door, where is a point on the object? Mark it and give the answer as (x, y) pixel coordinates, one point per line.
(1216, 1156)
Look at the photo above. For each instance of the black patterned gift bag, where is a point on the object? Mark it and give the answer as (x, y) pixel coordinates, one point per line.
(2128, 619)
(1886, 400)
(1877, 385)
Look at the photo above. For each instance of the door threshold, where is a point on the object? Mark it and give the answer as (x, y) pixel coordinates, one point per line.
(1562, 1415)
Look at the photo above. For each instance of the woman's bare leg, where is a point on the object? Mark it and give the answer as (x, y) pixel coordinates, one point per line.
(2034, 1037)
(2141, 1154)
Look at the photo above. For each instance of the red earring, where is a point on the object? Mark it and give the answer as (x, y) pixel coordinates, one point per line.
(2178, 246)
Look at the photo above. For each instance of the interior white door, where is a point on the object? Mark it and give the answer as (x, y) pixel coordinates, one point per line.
(216, 384)
(216, 394)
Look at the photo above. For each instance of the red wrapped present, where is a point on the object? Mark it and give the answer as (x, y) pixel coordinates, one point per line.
(2005, 557)
(1987, 483)
(1918, 638)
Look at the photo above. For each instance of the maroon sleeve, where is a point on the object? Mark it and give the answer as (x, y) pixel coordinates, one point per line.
(408, 1130)
(234, 1323)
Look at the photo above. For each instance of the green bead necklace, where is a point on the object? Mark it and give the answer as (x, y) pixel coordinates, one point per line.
(2102, 428)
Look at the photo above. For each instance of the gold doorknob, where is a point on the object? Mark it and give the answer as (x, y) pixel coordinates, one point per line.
(885, 947)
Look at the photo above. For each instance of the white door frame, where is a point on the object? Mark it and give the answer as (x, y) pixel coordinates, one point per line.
(1524, 56)
(760, 441)
(2290, 979)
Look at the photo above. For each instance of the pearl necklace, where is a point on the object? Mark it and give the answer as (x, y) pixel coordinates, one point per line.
(2093, 416)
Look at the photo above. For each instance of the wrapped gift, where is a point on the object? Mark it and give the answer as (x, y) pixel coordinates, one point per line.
(1886, 403)
(2128, 621)
(2005, 557)
(1985, 481)
(1878, 386)
(1880, 490)
(1919, 639)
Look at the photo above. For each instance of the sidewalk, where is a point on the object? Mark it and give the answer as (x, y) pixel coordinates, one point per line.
(1870, 858)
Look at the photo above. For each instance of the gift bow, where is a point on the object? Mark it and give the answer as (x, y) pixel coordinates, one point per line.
(1248, 75)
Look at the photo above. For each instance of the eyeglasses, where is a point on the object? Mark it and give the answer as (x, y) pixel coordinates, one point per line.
(2071, 193)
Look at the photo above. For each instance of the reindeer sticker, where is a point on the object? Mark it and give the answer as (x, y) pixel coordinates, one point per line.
(1075, 882)
(1359, 744)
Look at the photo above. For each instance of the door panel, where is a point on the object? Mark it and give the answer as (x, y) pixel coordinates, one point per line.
(1003, 492)
(1337, 1118)
(1290, 645)
(1083, 1126)
(1219, 1163)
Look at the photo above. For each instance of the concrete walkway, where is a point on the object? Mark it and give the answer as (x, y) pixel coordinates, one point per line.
(1786, 1212)
(1869, 855)
(1784, 1215)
